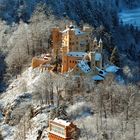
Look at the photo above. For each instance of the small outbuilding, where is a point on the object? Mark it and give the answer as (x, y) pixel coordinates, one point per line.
(61, 130)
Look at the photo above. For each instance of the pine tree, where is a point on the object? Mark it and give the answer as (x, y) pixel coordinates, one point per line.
(115, 59)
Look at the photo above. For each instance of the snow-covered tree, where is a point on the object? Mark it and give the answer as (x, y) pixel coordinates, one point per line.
(115, 59)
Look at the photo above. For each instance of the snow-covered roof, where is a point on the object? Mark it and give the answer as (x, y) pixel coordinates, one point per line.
(84, 66)
(77, 54)
(98, 56)
(112, 69)
(65, 30)
(101, 72)
(76, 30)
(97, 78)
(62, 122)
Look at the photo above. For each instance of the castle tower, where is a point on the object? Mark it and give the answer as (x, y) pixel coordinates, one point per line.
(56, 38)
(100, 46)
(98, 59)
(95, 60)
(71, 40)
(95, 43)
(92, 60)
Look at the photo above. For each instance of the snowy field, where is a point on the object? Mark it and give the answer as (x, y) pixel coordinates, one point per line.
(131, 17)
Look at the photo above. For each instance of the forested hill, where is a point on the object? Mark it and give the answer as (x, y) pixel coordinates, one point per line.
(92, 11)
(130, 4)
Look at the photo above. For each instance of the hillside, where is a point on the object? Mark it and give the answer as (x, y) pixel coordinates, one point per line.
(30, 97)
(73, 9)
(26, 112)
(98, 12)
(24, 9)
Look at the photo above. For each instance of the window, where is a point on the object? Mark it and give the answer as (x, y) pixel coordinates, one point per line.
(101, 72)
(57, 129)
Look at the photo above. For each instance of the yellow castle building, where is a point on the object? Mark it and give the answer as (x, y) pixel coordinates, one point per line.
(79, 53)
(75, 52)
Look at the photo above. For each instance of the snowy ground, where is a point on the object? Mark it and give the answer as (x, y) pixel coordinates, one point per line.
(19, 94)
(131, 17)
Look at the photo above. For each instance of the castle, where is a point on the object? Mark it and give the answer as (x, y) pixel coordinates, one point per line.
(74, 52)
(79, 53)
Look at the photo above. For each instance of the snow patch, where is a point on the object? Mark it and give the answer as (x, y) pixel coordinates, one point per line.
(7, 131)
(39, 122)
(76, 31)
(80, 110)
(97, 78)
(112, 69)
(60, 121)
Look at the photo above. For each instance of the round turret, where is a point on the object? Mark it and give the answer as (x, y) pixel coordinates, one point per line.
(95, 40)
(100, 41)
(100, 46)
